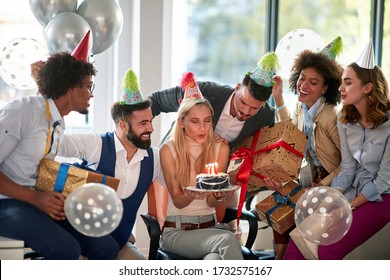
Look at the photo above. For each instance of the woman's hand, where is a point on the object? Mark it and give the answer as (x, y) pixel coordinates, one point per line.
(272, 184)
(277, 91)
(195, 194)
(219, 196)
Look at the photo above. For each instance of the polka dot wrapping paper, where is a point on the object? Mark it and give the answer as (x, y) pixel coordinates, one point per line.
(69, 178)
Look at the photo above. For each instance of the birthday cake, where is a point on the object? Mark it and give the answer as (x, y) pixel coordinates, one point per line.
(218, 181)
(212, 179)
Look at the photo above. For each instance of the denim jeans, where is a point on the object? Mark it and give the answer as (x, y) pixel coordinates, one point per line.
(206, 243)
(54, 240)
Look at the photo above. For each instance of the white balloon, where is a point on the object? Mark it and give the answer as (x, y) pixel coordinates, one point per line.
(323, 215)
(293, 43)
(15, 60)
(94, 209)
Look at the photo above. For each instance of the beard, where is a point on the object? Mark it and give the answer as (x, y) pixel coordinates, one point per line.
(137, 141)
(84, 112)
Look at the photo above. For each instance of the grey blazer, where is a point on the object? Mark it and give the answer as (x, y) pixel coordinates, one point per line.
(167, 101)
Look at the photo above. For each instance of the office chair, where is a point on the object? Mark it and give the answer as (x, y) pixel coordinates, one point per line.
(156, 253)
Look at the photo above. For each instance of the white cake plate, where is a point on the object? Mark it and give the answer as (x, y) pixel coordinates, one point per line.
(228, 189)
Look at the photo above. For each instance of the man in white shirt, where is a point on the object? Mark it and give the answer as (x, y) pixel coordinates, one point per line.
(30, 130)
(124, 154)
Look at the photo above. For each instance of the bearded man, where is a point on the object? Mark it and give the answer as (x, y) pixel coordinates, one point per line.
(124, 154)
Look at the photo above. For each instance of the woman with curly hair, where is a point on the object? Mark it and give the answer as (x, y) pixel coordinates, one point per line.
(364, 129)
(315, 77)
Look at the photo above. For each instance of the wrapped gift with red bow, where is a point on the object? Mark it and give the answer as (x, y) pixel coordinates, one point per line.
(275, 152)
(277, 209)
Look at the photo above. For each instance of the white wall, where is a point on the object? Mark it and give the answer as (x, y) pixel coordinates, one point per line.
(144, 45)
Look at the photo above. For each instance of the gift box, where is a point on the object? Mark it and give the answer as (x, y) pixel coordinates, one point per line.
(254, 182)
(275, 152)
(277, 209)
(64, 177)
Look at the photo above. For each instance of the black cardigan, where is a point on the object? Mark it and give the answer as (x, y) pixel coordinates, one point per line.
(167, 101)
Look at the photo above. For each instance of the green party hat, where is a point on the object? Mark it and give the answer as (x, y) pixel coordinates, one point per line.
(333, 49)
(131, 93)
(265, 70)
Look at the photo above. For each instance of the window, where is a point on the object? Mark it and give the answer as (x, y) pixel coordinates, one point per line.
(18, 21)
(386, 41)
(218, 40)
(328, 18)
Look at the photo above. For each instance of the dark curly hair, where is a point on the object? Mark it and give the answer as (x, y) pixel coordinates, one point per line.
(330, 70)
(62, 72)
(378, 99)
(257, 91)
(123, 112)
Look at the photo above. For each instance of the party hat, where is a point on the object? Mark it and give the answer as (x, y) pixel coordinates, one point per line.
(81, 52)
(189, 85)
(366, 58)
(131, 93)
(265, 70)
(333, 49)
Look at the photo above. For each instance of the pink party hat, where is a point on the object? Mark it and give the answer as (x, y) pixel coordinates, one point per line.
(189, 85)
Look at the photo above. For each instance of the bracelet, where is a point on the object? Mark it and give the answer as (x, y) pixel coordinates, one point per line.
(280, 107)
(218, 199)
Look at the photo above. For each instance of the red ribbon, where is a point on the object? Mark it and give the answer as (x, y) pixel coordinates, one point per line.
(246, 167)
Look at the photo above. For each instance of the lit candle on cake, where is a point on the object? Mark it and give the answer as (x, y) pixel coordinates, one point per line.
(211, 179)
(211, 168)
(215, 168)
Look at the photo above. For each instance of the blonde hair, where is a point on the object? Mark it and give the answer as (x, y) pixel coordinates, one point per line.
(183, 161)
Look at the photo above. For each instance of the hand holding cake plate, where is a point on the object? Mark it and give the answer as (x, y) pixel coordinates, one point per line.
(228, 189)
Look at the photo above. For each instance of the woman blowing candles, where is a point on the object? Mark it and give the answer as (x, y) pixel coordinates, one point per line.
(190, 228)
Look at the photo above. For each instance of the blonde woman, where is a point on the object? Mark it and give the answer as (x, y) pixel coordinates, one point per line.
(191, 228)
